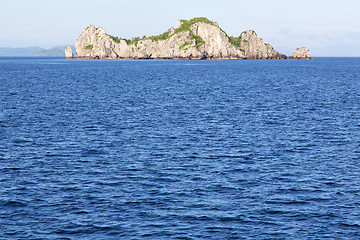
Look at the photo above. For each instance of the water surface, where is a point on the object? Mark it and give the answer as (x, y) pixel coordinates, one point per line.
(179, 149)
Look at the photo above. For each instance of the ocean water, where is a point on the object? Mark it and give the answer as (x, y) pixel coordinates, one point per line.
(179, 149)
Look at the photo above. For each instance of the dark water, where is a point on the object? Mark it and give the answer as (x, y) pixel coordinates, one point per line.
(179, 149)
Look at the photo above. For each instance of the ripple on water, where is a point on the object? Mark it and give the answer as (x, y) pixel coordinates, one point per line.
(12, 203)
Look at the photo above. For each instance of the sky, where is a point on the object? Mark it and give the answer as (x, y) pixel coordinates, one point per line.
(326, 28)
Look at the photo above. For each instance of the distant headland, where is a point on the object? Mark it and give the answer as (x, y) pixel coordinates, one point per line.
(197, 38)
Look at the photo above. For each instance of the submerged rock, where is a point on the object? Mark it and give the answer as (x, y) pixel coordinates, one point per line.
(301, 53)
(197, 38)
(68, 52)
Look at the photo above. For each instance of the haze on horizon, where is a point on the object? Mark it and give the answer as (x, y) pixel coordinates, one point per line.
(326, 28)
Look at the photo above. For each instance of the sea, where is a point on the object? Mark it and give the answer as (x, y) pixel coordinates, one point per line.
(186, 149)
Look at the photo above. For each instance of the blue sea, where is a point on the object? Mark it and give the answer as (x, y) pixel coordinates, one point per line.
(132, 149)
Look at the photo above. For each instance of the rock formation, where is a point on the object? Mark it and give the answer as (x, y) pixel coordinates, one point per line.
(197, 38)
(68, 52)
(255, 47)
(301, 53)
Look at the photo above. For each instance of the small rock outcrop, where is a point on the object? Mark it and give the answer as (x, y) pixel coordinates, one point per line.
(197, 38)
(68, 52)
(301, 53)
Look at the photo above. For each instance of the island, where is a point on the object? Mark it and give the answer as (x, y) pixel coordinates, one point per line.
(197, 38)
(68, 52)
(301, 53)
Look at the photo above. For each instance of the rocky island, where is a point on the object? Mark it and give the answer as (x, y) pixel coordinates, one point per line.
(68, 52)
(197, 38)
(301, 53)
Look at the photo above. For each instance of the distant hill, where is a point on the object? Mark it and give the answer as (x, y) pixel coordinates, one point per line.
(52, 52)
(58, 51)
(19, 52)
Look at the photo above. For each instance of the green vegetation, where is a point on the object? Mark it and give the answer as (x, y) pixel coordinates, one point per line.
(253, 32)
(89, 47)
(198, 40)
(185, 27)
(115, 39)
(235, 41)
(160, 37)
(184, 45)
(136, 40)
(186, 24)
(128, 41)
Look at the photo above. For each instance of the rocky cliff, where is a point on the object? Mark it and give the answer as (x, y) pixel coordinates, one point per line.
(255, 48)
(301, 53)
(68, 52)
(197, 38)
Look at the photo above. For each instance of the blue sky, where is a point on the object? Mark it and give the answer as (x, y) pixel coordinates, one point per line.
(327, 28)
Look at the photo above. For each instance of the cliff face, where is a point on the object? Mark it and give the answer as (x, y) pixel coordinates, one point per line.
(198, 38)
(255, 47)
(301, 53)
(95, 43)
(68, 52)
(215, 42)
